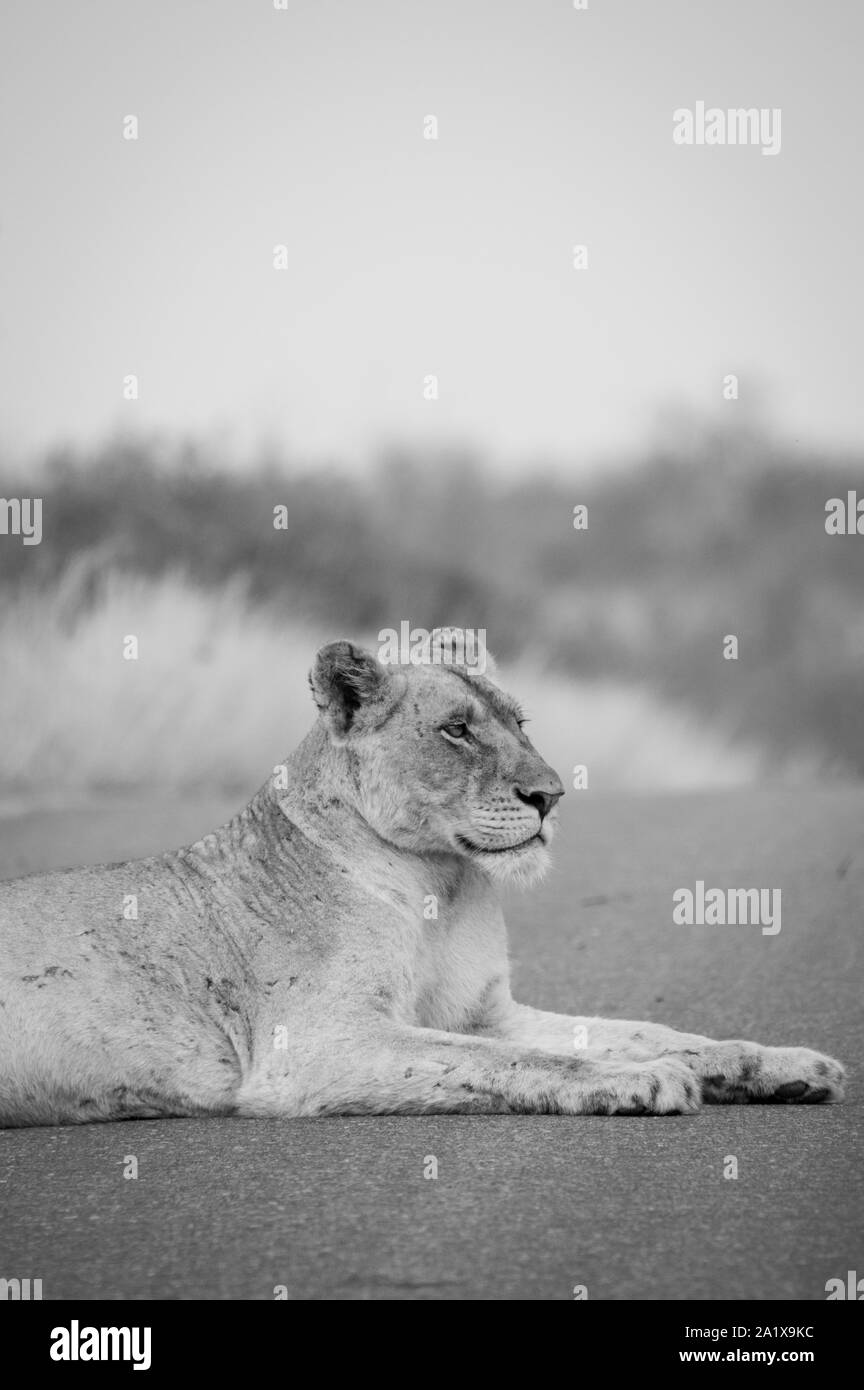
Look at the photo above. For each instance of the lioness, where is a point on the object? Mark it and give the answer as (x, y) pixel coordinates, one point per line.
(293, 963)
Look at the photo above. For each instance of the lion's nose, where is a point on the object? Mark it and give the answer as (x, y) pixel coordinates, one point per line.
(540, 799)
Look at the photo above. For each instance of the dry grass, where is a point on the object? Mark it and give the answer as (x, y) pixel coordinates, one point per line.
(218, 694)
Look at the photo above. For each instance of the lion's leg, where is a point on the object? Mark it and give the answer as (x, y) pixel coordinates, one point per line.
(421, 1071)
(730, 1071)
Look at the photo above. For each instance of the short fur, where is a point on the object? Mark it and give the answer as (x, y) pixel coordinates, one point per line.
(292, 963)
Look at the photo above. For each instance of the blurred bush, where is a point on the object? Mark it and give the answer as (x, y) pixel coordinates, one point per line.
(727, 536)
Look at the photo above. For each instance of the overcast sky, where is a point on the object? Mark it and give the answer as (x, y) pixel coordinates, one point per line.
(408, 256)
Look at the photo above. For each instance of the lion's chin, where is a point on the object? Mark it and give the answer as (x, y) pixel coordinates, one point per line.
(522, 865)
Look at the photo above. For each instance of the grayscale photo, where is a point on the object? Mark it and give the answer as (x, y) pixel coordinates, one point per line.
(431, 669)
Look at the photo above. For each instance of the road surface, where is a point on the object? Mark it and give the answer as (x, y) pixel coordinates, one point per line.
(522, 1207)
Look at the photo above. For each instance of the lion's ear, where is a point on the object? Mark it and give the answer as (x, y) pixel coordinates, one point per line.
(345, 680)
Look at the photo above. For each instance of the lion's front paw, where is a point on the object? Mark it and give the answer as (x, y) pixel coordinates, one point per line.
(776, 1076)
(798, 1076)
(662, 1087)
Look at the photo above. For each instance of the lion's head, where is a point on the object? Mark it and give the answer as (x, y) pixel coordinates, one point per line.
(435, 758)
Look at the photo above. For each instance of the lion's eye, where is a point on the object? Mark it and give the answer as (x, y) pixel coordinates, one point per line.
(459, 730)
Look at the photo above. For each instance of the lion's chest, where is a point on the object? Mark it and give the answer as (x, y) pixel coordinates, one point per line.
(457, 957)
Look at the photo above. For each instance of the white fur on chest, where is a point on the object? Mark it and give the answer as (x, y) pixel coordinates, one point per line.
(442, 937)
(458, 956)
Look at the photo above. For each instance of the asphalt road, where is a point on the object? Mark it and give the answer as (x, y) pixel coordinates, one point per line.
(522, 1207)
